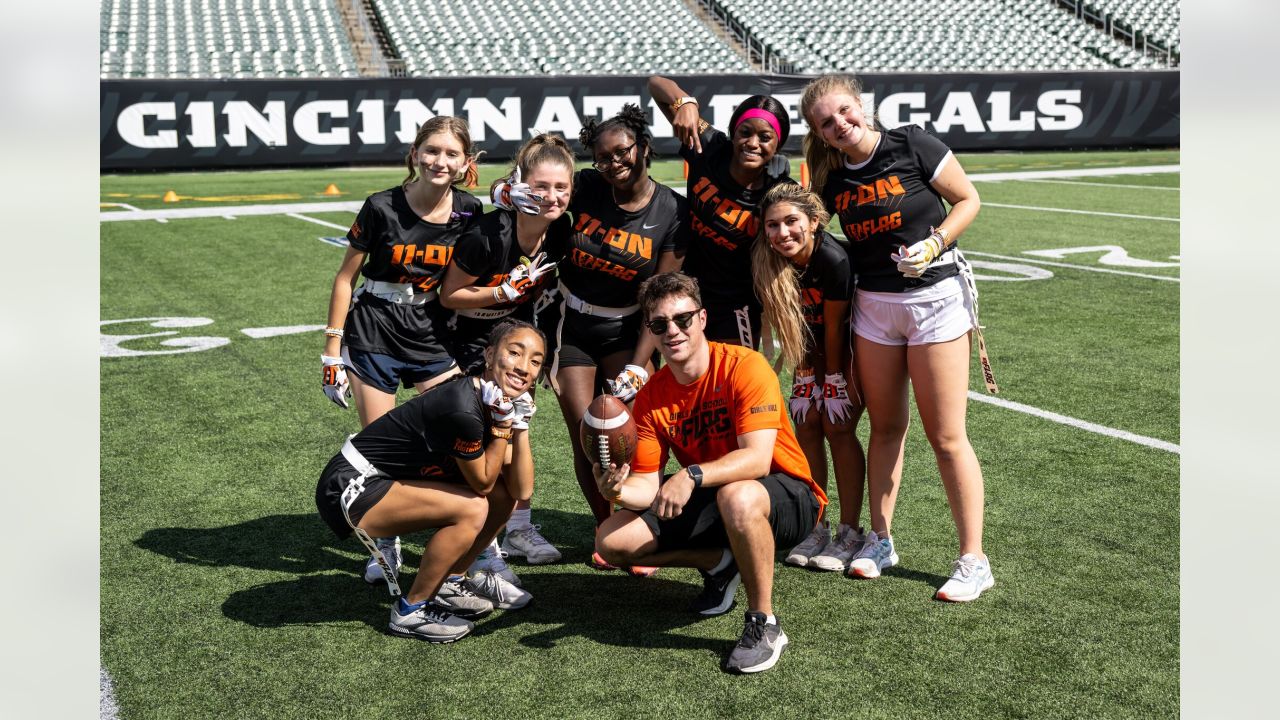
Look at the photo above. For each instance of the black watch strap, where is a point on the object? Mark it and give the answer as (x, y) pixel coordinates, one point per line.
(695, 472)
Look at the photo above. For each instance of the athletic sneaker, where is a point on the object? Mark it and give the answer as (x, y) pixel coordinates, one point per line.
(492, 587)
(642, 571)
(457, 598)
(390, 548)
(717, 591)
(836, 557)
(876, 555)
(429, 622)
(597, 563)
(810, 546)
(529, 544)
(494, 559)
(760, 646)
(970, 575)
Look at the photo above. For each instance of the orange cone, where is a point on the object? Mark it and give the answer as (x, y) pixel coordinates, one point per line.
(804, 174)
(686, 169)
(169, 196)
(331, 190)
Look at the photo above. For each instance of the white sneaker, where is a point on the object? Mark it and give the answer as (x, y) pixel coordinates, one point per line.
(970, 575)
(390, 548)
(876, 554)
(848, 541)
(810, 546)
(429, 622)
(494, 559)
(529, 544)
(490, 586)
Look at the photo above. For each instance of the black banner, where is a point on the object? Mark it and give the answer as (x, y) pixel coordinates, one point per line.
(168, 124)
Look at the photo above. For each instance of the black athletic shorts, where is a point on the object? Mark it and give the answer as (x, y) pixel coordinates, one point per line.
(723, 326)
(333, 481)
(583, 340)
(793, 513)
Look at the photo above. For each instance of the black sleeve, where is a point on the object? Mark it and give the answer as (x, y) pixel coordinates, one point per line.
(711, 138)
(927, 151)
(837, 275)
(365, 227)
(473, 254)
(677, 237)
(468, 431)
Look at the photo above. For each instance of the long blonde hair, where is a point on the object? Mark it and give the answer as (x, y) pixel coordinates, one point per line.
(818, 155)
(777, 281)
(456, 127)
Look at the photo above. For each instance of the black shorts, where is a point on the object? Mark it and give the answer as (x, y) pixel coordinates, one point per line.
(793, 513)
(583, 340)
(333, 481)
(723, 324)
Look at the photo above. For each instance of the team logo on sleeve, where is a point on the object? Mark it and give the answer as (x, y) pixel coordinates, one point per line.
(466, 446)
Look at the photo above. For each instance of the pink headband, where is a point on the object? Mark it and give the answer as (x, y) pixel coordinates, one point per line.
(765, 115)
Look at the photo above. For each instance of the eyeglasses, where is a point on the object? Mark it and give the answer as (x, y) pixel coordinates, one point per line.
(617, 157)
(683, 320)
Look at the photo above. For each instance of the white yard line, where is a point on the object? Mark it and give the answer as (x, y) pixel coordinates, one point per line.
(1077, 423)
(1105, 185)
(335, 226)
(107, 707)
(1058, 174)
(1080, 212)
(1089, 268)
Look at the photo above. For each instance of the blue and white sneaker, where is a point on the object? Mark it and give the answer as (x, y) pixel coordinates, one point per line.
(970, 575)
(876, 554)
(494, 559)
(390, 548)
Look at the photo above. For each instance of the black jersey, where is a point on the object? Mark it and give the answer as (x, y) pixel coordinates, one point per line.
(420, 439)
(723, 223)
(888, 202)
(613, 250)
(826, 277)
(401, 247)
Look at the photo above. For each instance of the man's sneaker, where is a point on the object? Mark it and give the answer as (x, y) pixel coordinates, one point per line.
(492, 587)
(429, 622)
(458, 599)
(717, 591)
(597, 563)
(760, 646)
(810, 546)
(494, 559)
(836, 557)
(970, 575)
(390, 548)
(876, 554)
(529, 544)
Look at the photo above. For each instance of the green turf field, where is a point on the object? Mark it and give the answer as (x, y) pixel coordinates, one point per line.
(224, 595)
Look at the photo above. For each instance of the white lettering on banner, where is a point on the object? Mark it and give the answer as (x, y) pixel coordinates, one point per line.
(557, 114)
(1062, 108)
(658, 124)
(722, 107)
(606, 106)
(204, 133)
(413, 113)
(373, 130)
(481, 115)
(1016, 272)
(1000, 120)
(1112, 255)
(891, 113)
(959, 109)
(306, 122)
(131, 124)
(243, 118)
(110, 345)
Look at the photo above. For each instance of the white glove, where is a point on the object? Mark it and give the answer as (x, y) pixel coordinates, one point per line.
(913, 260)
(525, 276)
(525, 408)
(803, 397)
(778, 165)
(835, 398)
(511, 194)
(500, 408)
(628, 382)
(334, 379)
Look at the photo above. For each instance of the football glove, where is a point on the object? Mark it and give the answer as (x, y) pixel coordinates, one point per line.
(511, 194)
(628, 382)
(803, 396)
(334, 380)
(525, 276)
(835, 398)
(525, 408)
(501, 409)
(913, 260)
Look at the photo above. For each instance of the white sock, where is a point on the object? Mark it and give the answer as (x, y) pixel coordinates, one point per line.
(519, 519)
(770, 620)
(724, 562)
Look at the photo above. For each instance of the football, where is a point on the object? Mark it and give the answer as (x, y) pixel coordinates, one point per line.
(608, 431)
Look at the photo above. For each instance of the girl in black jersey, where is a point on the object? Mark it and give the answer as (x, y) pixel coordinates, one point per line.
(913, 309)
(434, 462)
(728, 175)
(803, 279)
(391, 332)
(502, 271)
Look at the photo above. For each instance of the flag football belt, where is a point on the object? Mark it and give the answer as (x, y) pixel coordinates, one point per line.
(485, 313)
(576, 303)
(398, 293)
(971, 289)
(355, 486)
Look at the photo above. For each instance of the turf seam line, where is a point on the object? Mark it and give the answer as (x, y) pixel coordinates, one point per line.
(1088, 172)
(1109, 271)
(1077, 423)
(1104, 185)
(317, 221)
(1081, 212)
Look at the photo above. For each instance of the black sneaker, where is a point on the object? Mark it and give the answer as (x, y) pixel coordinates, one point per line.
(759, 648)
(717, 591)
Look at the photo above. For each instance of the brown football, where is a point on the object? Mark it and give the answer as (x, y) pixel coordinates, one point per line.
(608, 431)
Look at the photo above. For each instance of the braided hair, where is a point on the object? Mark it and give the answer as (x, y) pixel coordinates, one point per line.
(630, 120)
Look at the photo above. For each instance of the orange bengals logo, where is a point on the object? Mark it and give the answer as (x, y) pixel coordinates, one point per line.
(466, 446)
(355, 229)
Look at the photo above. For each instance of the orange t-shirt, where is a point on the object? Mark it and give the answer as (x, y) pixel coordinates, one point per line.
(701, 421)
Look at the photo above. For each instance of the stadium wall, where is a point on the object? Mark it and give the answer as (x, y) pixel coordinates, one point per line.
(201, 124)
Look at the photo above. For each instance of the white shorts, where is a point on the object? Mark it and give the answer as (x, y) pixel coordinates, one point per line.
(939, 313)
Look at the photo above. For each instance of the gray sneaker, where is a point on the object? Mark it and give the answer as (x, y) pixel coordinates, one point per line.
(717, 591)
(760, 646)
(492, 587)
(529, 544)
(429, 622)
(810, 546)
(494, 559)
(849, 540)
(458, 599)
(390, 548)
(970, 576)
(877, 553)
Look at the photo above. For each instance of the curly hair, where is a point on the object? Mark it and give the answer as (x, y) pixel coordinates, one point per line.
(630, 120)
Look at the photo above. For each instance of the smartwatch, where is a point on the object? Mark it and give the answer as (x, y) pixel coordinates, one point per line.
(695, 472)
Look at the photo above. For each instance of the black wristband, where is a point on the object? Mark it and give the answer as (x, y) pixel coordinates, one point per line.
(695, 472)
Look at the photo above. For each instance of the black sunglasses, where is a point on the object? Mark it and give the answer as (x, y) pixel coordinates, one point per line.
(683, 320)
